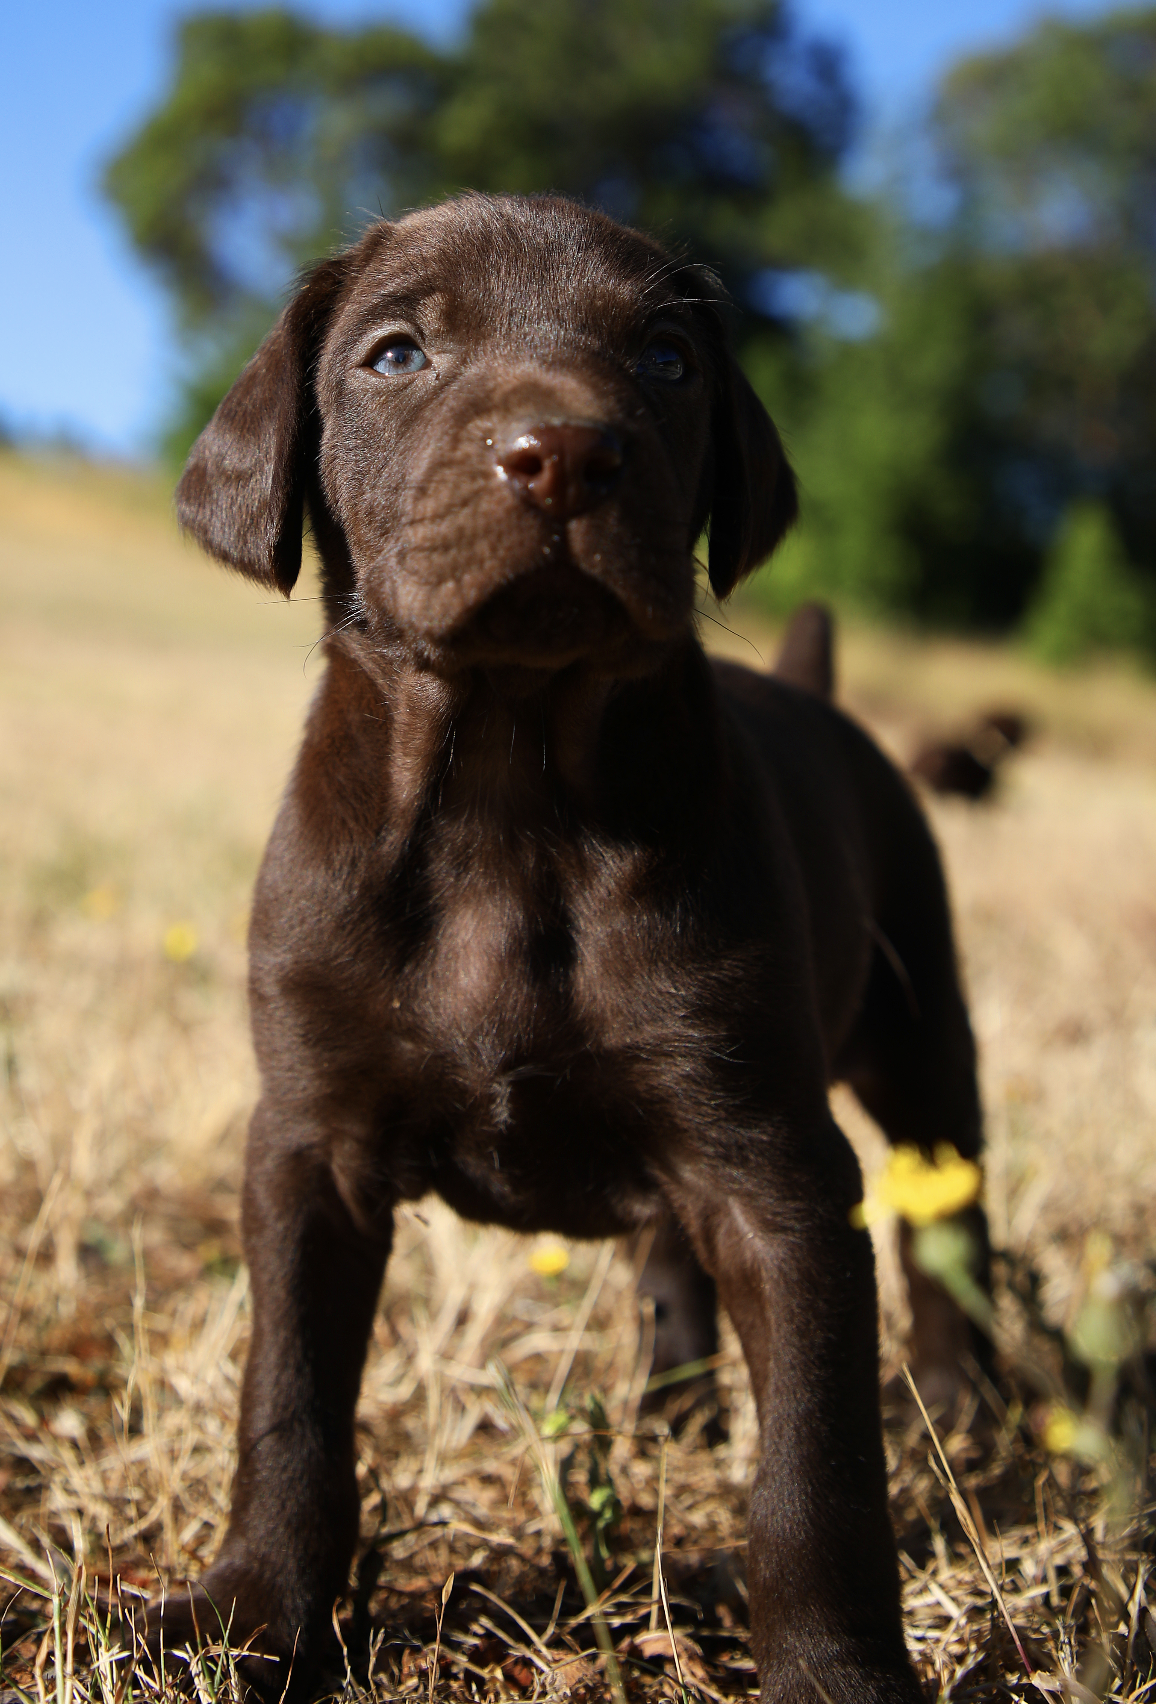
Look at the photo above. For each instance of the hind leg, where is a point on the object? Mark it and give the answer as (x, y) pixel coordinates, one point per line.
(685, 1324)
(910, 1060)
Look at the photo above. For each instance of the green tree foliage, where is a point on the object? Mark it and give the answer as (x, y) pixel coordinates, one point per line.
(879, 435)
(1052, 151)
(949, 385)
(709, 122)
(1090, 597)
(1015, 371)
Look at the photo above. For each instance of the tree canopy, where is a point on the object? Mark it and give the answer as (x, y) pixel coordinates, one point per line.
(950, 386)
(1012, 373)
(712, 123)
(1051, 149)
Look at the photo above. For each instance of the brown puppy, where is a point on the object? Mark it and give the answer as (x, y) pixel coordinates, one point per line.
(558, 919)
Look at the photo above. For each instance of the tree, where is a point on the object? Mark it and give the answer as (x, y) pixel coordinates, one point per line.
(1051, 149)
(1089, 598)
(1014, 371)
(712, 123)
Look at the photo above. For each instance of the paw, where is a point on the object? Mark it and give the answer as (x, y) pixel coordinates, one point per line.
(807, 1679)
(226, 1619)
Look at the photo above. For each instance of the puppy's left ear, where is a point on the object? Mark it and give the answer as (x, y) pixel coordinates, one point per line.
(754, 500)
(242, 494)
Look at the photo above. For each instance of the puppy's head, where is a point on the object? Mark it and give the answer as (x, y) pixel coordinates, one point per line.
(511, 420)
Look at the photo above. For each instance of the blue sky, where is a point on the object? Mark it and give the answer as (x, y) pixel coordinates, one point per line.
(88, 344)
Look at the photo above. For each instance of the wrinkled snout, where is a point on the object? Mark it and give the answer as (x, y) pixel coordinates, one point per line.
(544, 521)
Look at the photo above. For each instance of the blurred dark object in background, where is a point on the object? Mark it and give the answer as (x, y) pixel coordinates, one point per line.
(968, 765)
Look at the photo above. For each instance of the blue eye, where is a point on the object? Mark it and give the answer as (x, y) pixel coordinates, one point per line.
(400, 356)
(661, 361)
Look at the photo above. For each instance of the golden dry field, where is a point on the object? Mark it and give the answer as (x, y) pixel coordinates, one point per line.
(151, 705)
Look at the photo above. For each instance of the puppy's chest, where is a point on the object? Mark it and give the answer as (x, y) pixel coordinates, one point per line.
(537, 959)
(536, 1040)
(519, 956)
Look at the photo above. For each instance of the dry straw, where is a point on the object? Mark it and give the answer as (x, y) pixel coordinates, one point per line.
(151, 708)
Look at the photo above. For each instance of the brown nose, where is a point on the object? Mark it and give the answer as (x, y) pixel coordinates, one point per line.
(563, 469)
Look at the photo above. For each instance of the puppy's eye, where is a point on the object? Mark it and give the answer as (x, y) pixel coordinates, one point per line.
(661, 360)
(400, 356)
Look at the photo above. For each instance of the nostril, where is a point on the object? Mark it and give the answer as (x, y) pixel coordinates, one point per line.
(564, 468)
(604, 462)
(522, 462)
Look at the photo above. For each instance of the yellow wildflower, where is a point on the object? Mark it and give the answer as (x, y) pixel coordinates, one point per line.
(921, 1190)
(1078, 1435)
(1060, 1431)
(179, 942)
(549, 1256)
(1106, 1330)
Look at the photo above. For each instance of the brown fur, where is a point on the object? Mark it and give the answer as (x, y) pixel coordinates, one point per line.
(559, 919)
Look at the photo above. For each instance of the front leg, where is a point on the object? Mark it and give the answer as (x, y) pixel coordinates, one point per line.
(316, 1267)
(772, 1225)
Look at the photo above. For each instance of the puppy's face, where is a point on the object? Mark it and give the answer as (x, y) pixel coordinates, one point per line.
(515, 434)
(515, 417)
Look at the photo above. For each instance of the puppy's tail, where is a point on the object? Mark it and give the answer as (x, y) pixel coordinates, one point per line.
(807, 657)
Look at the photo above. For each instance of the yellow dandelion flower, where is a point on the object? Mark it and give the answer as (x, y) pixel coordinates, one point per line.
(549, 1256)
(1078, 1435)
(179, 942)
(100, 903)
(1060, 1431)
(920, 1190)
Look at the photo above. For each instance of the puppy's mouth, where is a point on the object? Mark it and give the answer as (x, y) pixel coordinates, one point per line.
(550, 616)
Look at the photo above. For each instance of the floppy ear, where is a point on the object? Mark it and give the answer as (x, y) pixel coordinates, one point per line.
(754, 500)
(242, 494)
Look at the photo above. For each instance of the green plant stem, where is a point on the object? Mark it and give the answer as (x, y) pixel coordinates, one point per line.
(552, 1485)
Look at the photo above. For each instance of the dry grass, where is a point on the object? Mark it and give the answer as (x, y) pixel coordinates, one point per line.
(151, 707)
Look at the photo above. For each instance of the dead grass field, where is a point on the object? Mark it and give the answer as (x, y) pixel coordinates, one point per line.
(150, 709)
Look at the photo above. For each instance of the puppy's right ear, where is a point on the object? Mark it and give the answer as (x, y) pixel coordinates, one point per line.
(242, 494)
(755, 498)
